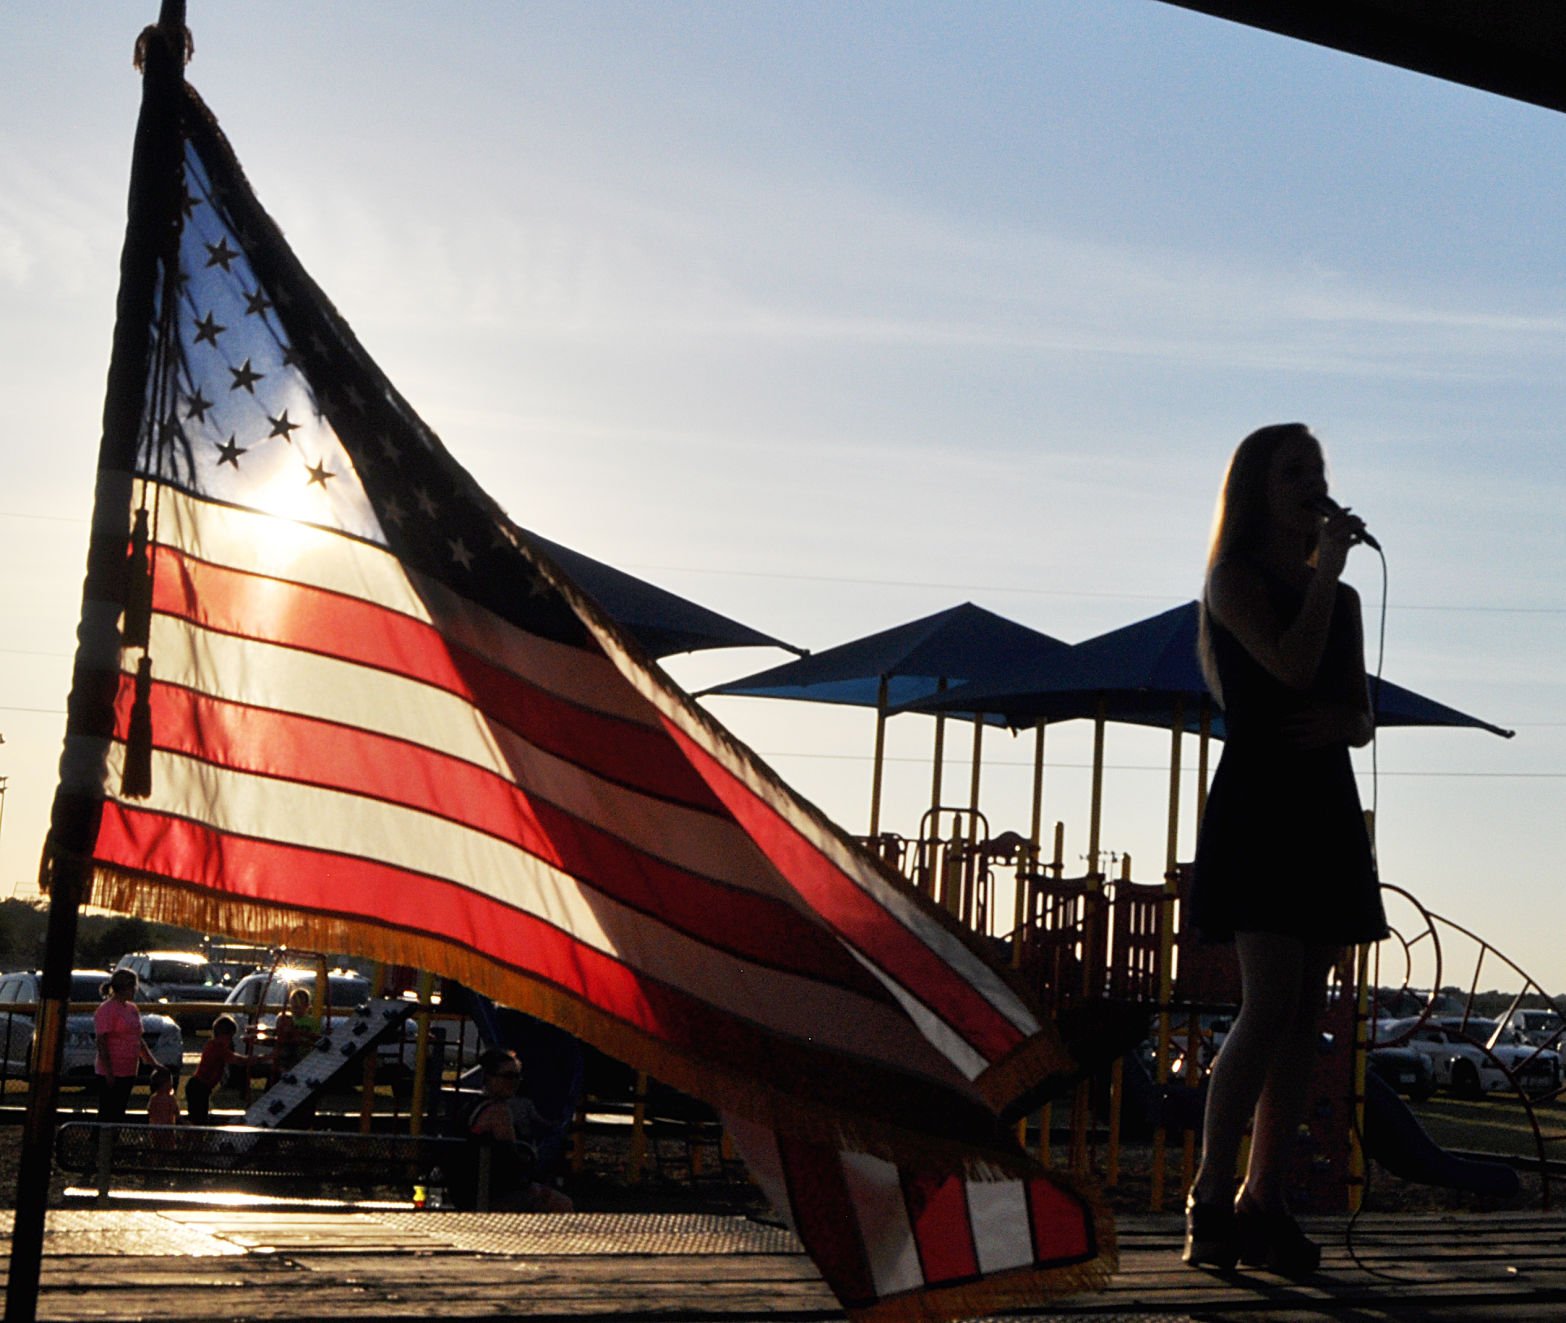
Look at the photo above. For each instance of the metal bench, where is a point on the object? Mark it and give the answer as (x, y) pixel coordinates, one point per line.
(257, 1159)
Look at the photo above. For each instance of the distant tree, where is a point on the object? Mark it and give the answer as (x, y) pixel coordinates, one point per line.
(22, 927)
(101, 939)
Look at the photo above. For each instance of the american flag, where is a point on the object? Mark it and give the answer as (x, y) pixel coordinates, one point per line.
(355, 707)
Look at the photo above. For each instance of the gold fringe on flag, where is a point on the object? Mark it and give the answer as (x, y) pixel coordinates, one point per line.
(1000, 1292)
(163, 901)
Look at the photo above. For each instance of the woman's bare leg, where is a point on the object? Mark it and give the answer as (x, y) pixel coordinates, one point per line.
(1272, 970)
(1286, 1090)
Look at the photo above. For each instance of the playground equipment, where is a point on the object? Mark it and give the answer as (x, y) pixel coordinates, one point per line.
(343, 1042)
(1091, 941)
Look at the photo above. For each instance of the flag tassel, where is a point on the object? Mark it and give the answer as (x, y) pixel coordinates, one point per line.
(137, 629)
(136, 783)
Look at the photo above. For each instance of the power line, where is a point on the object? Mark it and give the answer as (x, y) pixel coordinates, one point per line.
(954, 587)
(1161, 768)
(1043, 592)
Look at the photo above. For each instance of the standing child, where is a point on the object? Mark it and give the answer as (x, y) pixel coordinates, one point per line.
(162, 1106)
(216, 1057)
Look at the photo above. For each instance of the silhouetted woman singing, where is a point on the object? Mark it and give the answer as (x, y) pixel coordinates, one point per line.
(1283, 862)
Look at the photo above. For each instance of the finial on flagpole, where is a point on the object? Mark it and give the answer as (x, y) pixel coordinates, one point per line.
(170, 28)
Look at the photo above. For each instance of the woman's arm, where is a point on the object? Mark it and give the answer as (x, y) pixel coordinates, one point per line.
(1344, 717)
(1290, 651)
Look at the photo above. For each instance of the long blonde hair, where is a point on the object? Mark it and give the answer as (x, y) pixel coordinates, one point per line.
(1240, 522)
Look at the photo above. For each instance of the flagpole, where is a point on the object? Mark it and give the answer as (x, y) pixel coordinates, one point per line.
(90, 709)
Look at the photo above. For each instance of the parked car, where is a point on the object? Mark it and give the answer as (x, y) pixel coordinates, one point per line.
(81, 1042)
(1463, 1066)
(176, 976)
(1405, 1069)
(1537, 1028)
(257, 998)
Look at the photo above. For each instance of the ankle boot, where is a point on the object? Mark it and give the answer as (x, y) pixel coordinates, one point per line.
(1275, 1241)
(1210, 1240)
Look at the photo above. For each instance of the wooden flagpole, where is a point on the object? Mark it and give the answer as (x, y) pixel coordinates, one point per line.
(152, 211)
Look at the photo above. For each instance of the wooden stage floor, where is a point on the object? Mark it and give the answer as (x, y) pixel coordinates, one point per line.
(176, 1267)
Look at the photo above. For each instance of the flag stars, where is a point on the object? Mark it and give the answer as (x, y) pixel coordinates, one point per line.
(389, 448)
(230, 451)
(319, 474)
(256, 302)
(246, 377)
(355, 399)
(459, 553)
(189, 202)
(426, 502)
(208, 328)
(220, 254)
(392, 512)
(281, 427)
(197, 405)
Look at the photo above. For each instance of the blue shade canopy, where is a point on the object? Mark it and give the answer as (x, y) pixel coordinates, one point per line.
(959, 644)
(662, 622)
(1140, 673)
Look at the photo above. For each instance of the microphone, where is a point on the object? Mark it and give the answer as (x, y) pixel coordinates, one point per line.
(1327, 507)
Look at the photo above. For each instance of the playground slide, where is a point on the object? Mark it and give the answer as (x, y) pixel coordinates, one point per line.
(1395, 1139)
(1393, 1135)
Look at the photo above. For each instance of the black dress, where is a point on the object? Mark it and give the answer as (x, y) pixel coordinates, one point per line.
(1283, 846)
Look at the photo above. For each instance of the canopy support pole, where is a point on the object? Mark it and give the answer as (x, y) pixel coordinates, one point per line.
(940, 753)
(880, 757)
(1095, 811)
(1035, 831)
(974, 868)
(1166, 914)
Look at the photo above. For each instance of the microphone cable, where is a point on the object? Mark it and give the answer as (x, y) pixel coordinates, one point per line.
(1375, 795)
(1375, 693)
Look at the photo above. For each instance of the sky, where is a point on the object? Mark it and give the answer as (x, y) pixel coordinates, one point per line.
(832, 315)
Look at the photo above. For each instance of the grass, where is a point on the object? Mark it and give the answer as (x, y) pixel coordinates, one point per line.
(1494, 1125)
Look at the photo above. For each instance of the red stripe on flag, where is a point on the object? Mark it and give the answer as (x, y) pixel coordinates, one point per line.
(704, 1035)
(315, 752)
(943, 1232)
(821, 1206)
(350, 629)
(1062, 1225)
(857, 916)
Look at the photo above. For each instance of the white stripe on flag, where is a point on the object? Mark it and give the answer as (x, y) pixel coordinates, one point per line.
(316, 819)
(876, 1190)
(998, 1211)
